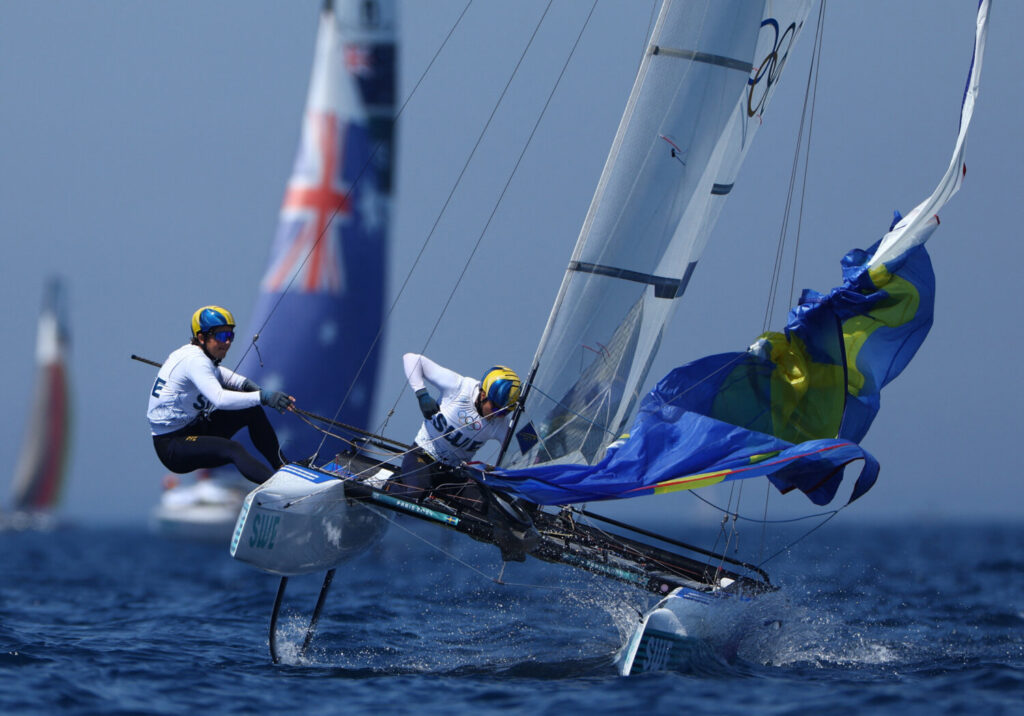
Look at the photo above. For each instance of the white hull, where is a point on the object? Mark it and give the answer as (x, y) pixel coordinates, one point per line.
(299, 521)
(28, 521)
(666, 638)
(202, 523)
(205, 511)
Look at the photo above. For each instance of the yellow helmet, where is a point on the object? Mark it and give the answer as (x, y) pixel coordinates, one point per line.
(501, 385)
(210, 317)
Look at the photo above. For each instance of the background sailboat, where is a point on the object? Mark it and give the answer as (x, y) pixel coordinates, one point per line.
(319, 313)
(39, 476)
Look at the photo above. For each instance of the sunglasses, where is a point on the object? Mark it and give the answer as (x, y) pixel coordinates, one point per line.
(223, 336)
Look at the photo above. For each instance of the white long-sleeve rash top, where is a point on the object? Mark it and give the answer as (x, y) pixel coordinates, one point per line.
(188, 384)
(455, 433)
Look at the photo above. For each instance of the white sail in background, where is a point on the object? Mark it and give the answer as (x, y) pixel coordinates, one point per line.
(698, 99)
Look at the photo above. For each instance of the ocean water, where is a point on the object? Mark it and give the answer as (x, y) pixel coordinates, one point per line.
(869, 619)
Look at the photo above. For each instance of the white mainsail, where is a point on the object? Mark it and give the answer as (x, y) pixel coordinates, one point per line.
(705, 80)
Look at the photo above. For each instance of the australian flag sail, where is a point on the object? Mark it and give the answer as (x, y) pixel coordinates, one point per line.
(320, 306)
(793, 407)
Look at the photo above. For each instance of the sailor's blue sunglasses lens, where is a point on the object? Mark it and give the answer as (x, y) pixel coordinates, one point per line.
(223, 336)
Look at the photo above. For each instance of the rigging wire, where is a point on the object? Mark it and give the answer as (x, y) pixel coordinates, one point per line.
(738, 516)
(647, 35)
(512, 174)
(810, 96)
(815, 70)
(819, 41)
(799, 155)
(799, 539)
(646, 556)
(391, 517)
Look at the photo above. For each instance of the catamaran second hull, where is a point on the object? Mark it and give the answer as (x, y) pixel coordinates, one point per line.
(694, 625)
(299, 521)
(665, 639)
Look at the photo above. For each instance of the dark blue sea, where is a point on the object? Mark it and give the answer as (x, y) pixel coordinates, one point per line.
(869, 619)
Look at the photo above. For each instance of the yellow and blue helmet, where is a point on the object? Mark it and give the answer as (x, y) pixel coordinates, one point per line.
(501, 385)
(209, 317)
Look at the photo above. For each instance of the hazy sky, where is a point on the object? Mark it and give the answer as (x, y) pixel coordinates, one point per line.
(146, 147)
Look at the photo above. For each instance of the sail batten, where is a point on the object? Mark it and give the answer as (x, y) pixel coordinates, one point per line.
(664, 286)
(704, 57)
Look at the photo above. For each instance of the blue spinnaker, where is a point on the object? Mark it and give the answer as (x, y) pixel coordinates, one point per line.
(791, 408)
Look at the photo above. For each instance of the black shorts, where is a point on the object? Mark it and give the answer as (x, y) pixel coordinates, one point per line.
(206, 443)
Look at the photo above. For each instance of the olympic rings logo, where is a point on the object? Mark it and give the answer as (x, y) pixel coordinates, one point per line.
(770, 68)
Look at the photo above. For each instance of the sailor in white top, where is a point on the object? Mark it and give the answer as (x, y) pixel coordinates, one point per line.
(470, 412)
(196, 405)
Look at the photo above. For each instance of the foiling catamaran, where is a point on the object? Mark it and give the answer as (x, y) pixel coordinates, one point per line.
(792, 408)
